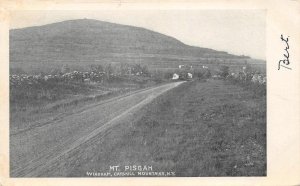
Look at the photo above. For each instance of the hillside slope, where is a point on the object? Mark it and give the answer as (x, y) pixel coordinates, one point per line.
(88, 41)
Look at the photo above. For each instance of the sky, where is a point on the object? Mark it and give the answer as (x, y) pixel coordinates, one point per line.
(239, 32)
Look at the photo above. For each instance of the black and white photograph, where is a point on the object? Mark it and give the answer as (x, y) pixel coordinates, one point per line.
(154, 93)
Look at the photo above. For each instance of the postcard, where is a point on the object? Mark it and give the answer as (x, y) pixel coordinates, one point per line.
(153, 93)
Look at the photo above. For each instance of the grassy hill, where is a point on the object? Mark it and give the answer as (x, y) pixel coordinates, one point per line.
(84, 42)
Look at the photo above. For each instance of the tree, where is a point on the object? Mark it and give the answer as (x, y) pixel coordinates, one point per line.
(224, 71)
(123, 69)
(137, 68)
(207, 74)
(108, 71)
(145, 70)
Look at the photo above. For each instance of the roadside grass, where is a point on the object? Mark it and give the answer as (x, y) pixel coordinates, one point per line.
(207, 129)
(200, 128)
(258, 90)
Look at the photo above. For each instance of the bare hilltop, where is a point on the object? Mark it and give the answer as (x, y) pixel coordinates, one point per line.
(86, 41)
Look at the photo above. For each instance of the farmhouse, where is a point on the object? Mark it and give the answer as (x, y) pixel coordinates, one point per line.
(216, 77)
(175, 76)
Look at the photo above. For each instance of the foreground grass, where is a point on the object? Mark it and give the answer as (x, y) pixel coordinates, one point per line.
(207, 129)
(211, 128)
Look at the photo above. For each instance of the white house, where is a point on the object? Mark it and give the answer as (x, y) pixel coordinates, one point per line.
(175, 76)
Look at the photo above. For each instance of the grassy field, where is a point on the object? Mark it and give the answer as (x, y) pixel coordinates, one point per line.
(201, 128)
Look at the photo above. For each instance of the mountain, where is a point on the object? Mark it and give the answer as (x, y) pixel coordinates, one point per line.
(87, 41)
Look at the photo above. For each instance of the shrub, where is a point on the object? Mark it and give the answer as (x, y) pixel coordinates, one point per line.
(223, 71)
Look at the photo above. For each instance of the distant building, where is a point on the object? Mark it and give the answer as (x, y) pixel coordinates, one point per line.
(190, 75)
(216, 77)
(185, 67)
(175, 76)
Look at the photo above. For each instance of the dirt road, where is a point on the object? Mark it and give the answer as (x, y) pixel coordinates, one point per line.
(37, 147)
